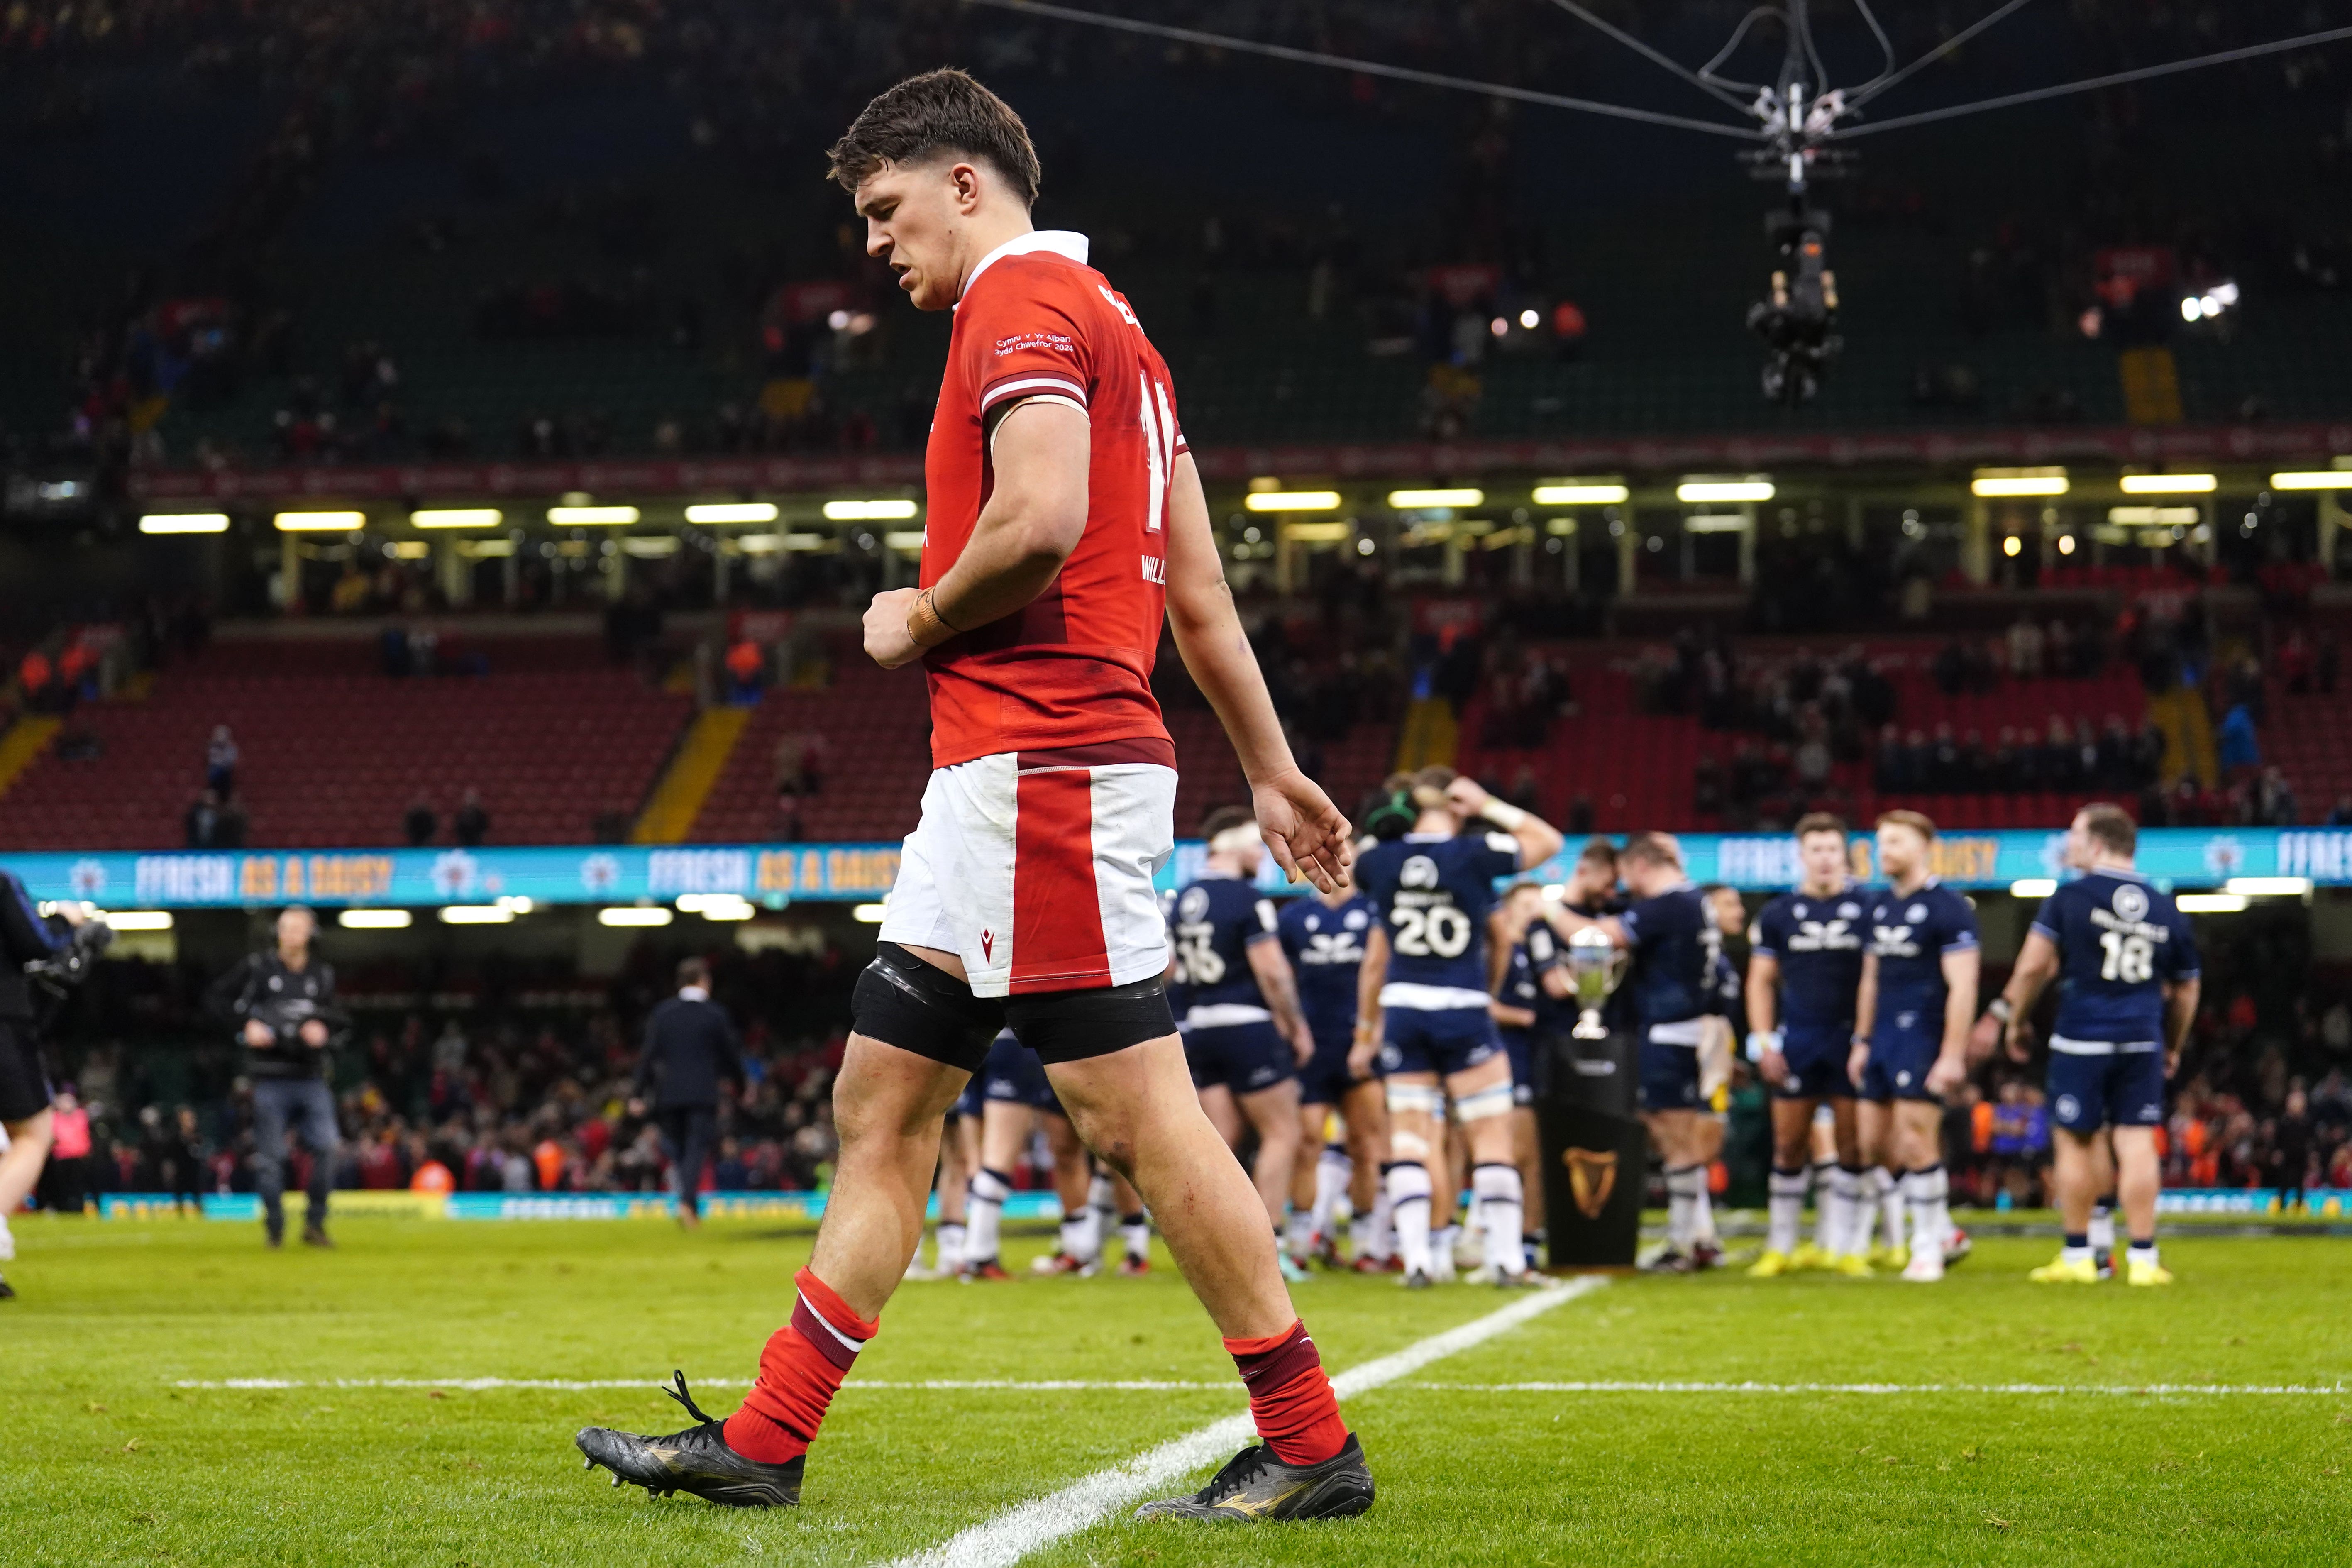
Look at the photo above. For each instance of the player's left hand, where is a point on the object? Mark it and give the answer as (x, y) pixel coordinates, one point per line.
(1857, 1060)
(314, 1034)
(1951, 1070)
(1307, 833)
(1302, 1043)
(1468, 796)
(886, 642)
(1360, 1054)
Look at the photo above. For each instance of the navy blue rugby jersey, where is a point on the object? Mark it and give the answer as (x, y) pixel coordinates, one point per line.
(1909, 937)
(1675, 946)
(1818, 943)
(1213, 923)
(2119, 942)
(1434, 894)
(1324, 943)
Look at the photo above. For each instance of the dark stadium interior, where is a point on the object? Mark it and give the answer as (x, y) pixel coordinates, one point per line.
(530, 258)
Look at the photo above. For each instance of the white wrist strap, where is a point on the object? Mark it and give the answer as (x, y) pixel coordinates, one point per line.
(1502, 815)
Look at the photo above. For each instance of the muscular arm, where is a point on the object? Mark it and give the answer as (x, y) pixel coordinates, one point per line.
(1307, 833)
(1369, 981)
(1609, 926)
(1763, 992)
(1961, 974)
(1277, 985)
(2180, 1012)
(1035, 515)
(2037, 966)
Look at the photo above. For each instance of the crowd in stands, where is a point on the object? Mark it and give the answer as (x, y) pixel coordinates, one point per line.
(527, 1089)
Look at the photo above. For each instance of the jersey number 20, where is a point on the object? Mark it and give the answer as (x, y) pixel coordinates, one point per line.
(1442, 931)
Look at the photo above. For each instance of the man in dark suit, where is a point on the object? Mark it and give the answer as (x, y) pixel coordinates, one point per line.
(690, 1047)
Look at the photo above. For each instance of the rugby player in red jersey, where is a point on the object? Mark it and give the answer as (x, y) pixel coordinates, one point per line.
(1065, 519)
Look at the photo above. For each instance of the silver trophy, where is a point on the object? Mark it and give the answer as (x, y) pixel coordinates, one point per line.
(1596, 965)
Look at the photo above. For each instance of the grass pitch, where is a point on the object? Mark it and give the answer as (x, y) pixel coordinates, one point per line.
(109, 1460)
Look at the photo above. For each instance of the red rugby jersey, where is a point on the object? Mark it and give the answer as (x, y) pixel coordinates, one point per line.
(1074, 667)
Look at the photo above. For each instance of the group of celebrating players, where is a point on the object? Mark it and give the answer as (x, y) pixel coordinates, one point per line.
(1384, 1043)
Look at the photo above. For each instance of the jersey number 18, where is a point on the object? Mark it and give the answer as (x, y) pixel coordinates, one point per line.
(2130, 959)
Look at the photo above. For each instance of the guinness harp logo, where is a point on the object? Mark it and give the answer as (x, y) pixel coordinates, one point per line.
(1591, 1176)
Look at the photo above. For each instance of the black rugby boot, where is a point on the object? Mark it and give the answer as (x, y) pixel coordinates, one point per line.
(1254, 1485)
(697, 1460)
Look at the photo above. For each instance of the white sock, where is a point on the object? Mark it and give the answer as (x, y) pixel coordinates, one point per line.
(1926, 1192)
(2143, 1252)
(1073, 1235)
(1834, 1231)
(1824, 1173)
(984, 1215)
(1703, 1213)
(1890, 1205)
(1440, 1250)
(1099, 1217)
(1135, 1231)
(1502, 1210)
(1786, 1210)
(1683, 1184)
(1408, 1187)
(1332, 1173)
(950, 1244)
(1383, 1238)
(1298, 1234)
(2103, 1226)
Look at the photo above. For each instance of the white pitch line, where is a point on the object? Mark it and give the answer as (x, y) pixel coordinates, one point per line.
(1015, 1533)
(2124, 1389)
(1165, 1386)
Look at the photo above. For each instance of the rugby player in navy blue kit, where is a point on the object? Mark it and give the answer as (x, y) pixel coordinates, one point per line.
(1804, 967)
(1534, 1004)
(2126, 961)
(1245, 1039)
(1323, 937)
(1912, 1018)
(1670, 930)
(1423, 1005)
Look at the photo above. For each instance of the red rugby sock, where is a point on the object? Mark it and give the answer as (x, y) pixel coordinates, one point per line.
(800, 1372)
(1297, 1413)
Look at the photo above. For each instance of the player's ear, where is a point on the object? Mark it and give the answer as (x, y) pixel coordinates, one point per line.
(964, 178)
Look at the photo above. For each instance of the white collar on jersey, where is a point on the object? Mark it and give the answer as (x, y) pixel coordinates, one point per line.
(1429, 837)
(1060, 241)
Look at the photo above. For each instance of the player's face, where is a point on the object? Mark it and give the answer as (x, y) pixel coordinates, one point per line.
(1823, 855)
(1730, 914)
(294, 930)
(1525, 909)
(2082, 853)
(1901, 849)
(911, 214)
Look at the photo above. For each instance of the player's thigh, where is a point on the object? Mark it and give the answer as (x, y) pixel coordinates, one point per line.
(317, 1128)
(1273, 1110)
(1919, 1125)
(1872, 1118)
(1364, 1111)
(1118, 1099)
(1062, 1139)
(1416, 1110)
(1482, 1104)
(1793, 1131)
(883, 1091)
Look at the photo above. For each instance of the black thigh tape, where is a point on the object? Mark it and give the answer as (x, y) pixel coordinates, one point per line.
(1071, 1026)
(902, 1001)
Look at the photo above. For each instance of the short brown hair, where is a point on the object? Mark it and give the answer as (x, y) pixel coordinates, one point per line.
(1599, 851)
(1429, 785)
(1918, 822)
(692, 971)
(2111, 825)
(1226, 817)
(1814, 822)
(938, 112)
(1651, 848)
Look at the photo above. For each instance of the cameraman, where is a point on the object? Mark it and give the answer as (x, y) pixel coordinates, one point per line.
(283, 1003)
(25, 1094)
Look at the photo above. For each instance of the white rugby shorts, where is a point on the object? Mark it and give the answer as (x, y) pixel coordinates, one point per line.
(1036, 868)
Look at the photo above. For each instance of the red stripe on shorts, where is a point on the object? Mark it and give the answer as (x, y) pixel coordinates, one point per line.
(1058, 933)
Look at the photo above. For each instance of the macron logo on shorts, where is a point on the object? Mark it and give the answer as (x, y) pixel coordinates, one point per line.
(988, 947)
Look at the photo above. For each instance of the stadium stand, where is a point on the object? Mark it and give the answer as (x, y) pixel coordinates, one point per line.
(334, 750)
